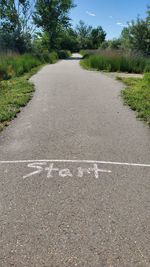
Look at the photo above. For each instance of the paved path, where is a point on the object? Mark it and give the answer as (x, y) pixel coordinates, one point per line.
(75, 176)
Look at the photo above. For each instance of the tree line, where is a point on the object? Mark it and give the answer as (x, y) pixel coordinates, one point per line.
(39, 25)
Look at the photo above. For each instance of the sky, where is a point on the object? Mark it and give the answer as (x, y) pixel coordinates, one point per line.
(112, 15)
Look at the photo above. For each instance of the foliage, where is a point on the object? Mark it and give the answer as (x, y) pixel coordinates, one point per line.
(88, 37)
(137, 95)
(112, 60)
(14, 94)
(83, 32)
(137, 35)
(52, 16)
(64, 54)
(15, 25)
(97, 37)
(16, 65)
(68, 40)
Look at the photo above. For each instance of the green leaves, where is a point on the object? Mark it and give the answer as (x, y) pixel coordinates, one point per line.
(15, 24)
(51, 16)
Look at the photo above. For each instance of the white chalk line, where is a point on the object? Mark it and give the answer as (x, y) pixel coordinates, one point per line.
(78, 161)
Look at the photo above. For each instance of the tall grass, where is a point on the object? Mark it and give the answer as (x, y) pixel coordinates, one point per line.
(15, 88)
(117, 61)
(13, 65)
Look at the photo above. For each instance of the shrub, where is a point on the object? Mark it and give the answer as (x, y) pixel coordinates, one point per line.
(63, 54)
(53, 57)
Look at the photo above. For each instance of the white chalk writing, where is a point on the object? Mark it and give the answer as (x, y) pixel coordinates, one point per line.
(53, 170)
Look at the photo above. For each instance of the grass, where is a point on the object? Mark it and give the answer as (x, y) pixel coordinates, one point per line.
(14, 94)
(137, 95)
(114, 61)
(15, 88)
(13, 65)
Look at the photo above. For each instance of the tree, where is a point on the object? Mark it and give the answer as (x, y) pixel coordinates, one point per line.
(148, 16)
(84, 32)
(139, 36)
(125, 38)
(97, 37)
(88, 37)
(69, 40)
(15, 24)
(51, 16)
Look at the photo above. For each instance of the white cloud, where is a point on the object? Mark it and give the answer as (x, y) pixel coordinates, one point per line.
(90, 14)
(121, 24)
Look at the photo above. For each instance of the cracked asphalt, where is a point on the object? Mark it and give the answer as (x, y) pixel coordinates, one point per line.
(75, 175)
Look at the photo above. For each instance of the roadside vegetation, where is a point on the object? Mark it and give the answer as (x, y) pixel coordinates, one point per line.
(131, 54)
(14, 94)
(24, 50)
(115, 61)
(16, 65)
(137, 95)
(15, 88)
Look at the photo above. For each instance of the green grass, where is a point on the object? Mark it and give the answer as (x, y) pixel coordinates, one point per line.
(16, 65)
(15, 88)
(114, 61)
(14, 94)
(137, 95)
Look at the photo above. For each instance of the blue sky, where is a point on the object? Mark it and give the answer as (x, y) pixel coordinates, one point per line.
(112, 15)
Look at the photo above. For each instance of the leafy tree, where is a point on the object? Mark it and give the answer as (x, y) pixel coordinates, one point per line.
(125, 38)
(97, 37)
(69, 40)
(139, 36)
(51, 16)
(115, 44)
(104, 45)
(84, 32)
(40, 42)
(148, 16)
(15, 24)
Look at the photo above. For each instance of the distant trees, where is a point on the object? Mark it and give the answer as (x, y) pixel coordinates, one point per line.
(97, 37)
(83, 33)
(68, 40)
(89, 37)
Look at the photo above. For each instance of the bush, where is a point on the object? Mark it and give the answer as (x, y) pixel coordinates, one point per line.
(53, 57)
(63, 54)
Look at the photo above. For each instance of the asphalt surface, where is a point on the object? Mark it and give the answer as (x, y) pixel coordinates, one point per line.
(92, 210)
